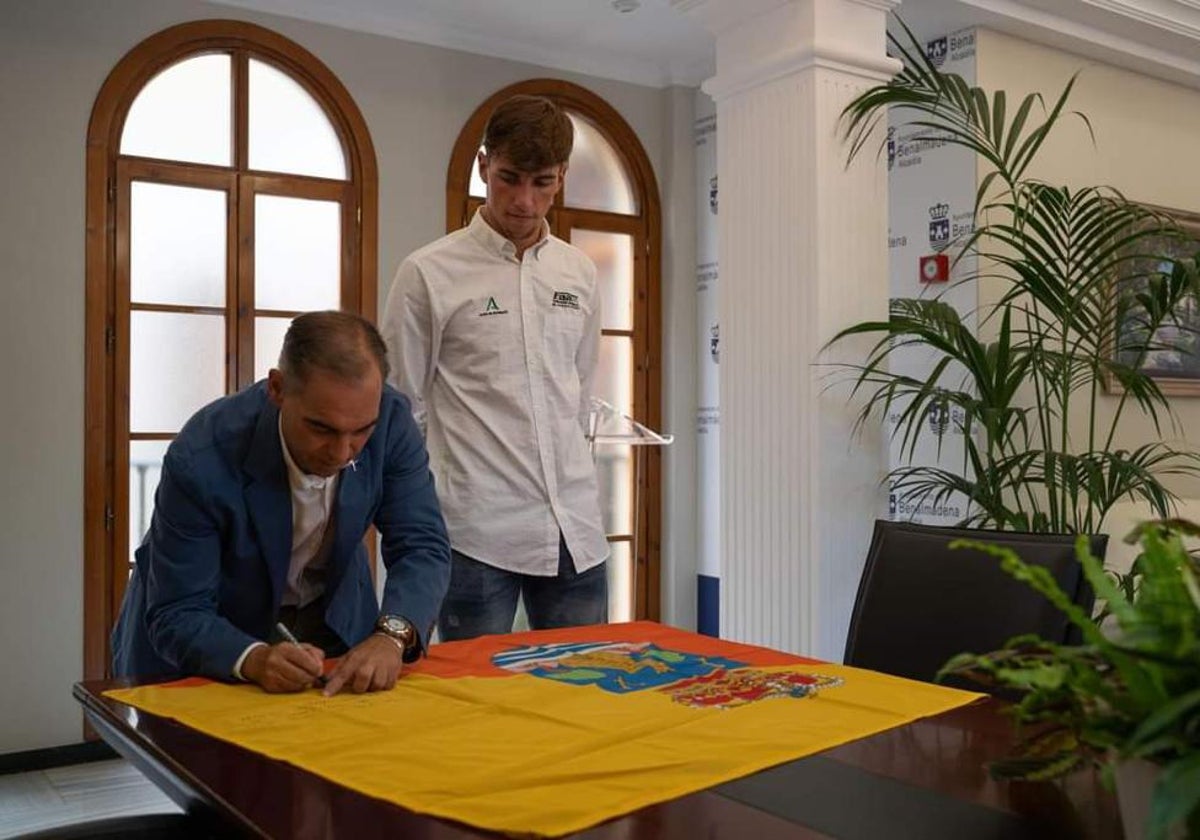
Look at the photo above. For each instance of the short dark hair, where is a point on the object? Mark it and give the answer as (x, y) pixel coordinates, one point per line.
(340, 343)
(531, 131)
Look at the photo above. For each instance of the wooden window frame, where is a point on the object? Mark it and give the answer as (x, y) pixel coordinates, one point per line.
(645, 226)
(106, 351)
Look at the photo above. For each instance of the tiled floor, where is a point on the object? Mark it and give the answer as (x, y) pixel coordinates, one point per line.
(47, 798)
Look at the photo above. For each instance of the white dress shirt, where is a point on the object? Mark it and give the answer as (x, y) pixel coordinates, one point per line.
(312, 510)
(498, 355)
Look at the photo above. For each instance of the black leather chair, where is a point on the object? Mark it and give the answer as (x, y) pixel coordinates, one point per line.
(919, 602)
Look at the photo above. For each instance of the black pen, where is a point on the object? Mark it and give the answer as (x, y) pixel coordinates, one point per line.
(288, 636)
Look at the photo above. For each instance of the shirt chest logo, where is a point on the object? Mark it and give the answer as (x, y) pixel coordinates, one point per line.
(492, 308)
(565, 300)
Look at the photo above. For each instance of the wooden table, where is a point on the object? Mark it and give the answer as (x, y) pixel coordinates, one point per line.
(924, 780)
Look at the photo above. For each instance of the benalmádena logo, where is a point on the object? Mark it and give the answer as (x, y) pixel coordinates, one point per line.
(936, 50)
(688, 678)
(492, 308)
(939, 224)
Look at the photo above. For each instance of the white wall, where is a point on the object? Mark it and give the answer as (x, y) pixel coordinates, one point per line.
(53, 58)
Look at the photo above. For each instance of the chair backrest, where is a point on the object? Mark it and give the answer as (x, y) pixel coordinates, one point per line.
(919, 602)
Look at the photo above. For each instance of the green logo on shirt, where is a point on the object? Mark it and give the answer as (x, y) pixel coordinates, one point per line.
(493, 308)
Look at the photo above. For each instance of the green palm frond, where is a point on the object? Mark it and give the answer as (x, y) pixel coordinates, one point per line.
(945, 106)
(1055, 254)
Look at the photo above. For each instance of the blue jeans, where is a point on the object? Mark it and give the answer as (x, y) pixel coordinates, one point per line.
(483, 599)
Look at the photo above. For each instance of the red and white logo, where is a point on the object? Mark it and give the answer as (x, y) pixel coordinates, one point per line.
(935, 268)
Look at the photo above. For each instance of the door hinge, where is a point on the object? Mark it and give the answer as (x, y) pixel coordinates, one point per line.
(110, 340)
(109, 517)
(112, 190)
(360, 217)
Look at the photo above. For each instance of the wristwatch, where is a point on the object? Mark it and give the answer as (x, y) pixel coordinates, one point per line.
(399, 628)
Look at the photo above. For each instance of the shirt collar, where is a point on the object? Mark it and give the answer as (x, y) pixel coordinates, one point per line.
(299, 479)
(488, 236)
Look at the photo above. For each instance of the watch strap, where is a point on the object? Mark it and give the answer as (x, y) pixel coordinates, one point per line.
(399, 644)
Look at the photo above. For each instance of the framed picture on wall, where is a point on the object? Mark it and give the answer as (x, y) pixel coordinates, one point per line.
(1176, 364)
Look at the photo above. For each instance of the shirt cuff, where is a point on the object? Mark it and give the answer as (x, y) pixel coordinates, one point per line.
(237, 666)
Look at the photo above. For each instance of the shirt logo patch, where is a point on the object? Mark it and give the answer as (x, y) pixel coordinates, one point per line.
(492, 308)
(566, 300)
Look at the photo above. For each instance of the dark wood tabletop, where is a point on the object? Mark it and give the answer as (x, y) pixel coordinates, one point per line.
(924, 780)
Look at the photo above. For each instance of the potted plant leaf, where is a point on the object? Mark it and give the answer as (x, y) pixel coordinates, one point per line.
(1129, 696)
(1026, 388)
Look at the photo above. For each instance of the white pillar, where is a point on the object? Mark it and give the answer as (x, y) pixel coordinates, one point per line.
(803, 250)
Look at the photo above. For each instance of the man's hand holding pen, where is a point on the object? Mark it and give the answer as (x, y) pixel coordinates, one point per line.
(284, 667)
(373, 665)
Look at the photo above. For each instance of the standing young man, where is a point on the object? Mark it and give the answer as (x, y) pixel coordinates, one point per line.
(493, 332)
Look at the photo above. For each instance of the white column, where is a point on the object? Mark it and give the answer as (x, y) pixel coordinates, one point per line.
(803, 249)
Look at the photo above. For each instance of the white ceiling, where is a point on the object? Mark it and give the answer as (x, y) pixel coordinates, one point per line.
(657, 44)
(654, 45)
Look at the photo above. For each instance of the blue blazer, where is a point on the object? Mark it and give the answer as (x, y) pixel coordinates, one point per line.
(211, 570)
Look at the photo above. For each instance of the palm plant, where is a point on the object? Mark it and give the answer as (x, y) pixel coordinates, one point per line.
(1053, 340)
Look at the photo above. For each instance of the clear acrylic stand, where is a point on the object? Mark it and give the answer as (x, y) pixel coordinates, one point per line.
(607, 425)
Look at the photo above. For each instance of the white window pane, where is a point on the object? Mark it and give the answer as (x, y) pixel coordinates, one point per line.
(478, 188)
(614, 475)
(176, 365)
(145, 469)
(184, 113)
(613, 255)
(614, 373)
(268, 341)
(620, 582)
(596, 178)
(177, 245)
(297, 253)
(289, 130)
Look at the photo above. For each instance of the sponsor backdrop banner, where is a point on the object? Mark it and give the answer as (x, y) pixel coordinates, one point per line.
(708, 413)
(931, 194)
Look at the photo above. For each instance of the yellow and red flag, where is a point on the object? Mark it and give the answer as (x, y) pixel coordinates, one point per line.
(549, 732)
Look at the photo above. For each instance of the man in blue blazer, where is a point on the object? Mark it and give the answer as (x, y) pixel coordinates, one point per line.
(259, 520)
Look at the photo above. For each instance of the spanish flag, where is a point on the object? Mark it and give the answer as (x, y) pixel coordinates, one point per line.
(550, 732)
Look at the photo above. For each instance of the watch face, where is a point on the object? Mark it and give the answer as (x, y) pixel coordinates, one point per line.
(395, 626)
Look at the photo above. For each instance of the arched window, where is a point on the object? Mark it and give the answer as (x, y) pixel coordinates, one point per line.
(231, 184)
(609, 208)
